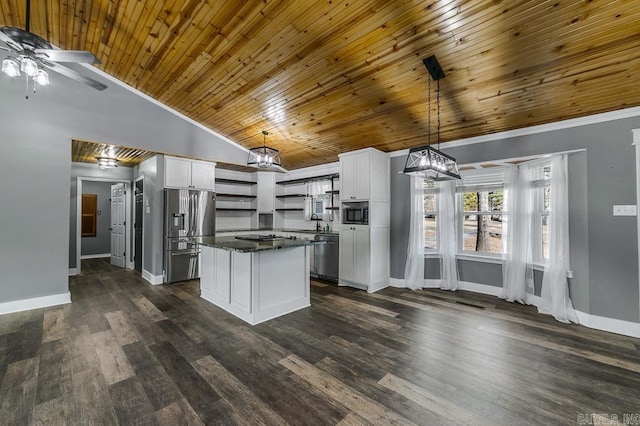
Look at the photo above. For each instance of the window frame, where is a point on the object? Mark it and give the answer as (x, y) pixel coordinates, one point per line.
(540, 180)
(432, 191)
(489, 180)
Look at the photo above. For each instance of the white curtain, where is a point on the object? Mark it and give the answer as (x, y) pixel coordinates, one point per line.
(517, 272)
(414, 268)
(555, 290)
(448, 239)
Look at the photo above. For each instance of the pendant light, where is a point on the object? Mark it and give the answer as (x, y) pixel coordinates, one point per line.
(426, 161)
(263, 156)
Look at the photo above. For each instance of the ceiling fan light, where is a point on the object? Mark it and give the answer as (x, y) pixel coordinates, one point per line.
(42, 78)
(11, 67)
(29, 66)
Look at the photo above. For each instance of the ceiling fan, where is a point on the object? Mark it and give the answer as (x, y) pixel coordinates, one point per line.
(31, 54)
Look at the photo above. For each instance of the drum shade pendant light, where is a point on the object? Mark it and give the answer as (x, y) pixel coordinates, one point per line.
(263, 156)
(426, 161)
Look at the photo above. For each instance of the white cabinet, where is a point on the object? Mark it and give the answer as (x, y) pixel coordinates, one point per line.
(266, 192)
(203, 175)
(364, 249)
(354, 176)
(355, 255)
(189, 174)
(364, 176)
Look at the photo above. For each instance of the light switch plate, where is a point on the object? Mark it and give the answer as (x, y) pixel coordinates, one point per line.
(625, 210)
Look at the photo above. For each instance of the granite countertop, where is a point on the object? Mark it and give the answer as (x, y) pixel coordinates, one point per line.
(244, 246)
(276, 230)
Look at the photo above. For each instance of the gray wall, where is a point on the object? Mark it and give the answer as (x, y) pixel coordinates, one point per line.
(86, 170)
(34, 187)
(101, 242)
(35, 168)
(152, 171)
(604, 251)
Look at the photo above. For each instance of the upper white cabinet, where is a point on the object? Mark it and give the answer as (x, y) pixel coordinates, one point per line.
(364, 175)
(354, 175)
(189, 174)
(266, 192)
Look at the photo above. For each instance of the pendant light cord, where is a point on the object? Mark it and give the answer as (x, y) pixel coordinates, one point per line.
(438, 105)
(28, 10)
(429, 114)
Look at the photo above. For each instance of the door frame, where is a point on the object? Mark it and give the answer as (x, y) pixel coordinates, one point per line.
(133, 242)
(127, 200)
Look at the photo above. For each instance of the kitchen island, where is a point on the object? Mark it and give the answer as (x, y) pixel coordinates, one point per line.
(255, 280)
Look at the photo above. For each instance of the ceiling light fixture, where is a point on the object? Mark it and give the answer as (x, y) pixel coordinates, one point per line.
(426, 161)
(263, 156)
(107, 163)
(11, 67)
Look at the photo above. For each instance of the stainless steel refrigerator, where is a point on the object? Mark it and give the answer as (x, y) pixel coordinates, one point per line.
(187, 213)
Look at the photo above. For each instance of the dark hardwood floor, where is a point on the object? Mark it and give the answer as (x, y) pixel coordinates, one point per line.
(125, 352)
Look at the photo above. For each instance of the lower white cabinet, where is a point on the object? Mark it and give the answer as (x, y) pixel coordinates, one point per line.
(364, 257)
(256, 286)
(354, 254)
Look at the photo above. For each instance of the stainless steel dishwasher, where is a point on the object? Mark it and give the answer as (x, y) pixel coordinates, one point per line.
(327, 256)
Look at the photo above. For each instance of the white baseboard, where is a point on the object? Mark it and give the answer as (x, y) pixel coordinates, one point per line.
(400, 283)
(95, 256)
(131, 265)
(479, 288)
(35, 303)
(73, 271)
(611, 325)
(153, 279)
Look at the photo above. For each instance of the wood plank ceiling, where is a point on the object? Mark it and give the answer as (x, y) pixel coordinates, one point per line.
(325, 77)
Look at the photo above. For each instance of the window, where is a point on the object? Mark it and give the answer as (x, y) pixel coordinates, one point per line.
(480, 207)
(430, 216)
(541, 185)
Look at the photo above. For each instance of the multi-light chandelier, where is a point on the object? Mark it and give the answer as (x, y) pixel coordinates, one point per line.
(263, 156)
(426, 161)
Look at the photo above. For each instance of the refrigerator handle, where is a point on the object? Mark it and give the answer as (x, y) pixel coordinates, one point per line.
(192, 211)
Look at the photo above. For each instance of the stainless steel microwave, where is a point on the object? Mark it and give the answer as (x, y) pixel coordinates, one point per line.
(356, 215)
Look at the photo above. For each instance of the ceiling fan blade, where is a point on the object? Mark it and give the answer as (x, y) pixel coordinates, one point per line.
(9, 41)
(79, 56)
(68, 72)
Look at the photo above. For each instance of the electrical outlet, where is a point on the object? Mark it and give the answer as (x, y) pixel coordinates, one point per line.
(624, 210)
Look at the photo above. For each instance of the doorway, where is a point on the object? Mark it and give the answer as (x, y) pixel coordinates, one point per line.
(116, 210)
(137, 225)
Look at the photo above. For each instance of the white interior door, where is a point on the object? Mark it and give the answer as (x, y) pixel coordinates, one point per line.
(118, 225)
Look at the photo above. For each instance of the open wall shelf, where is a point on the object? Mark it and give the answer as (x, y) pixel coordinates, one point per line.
(235, 181)
(289, 210)
(224, 209)
(234, 196)
(291, 196)
(309, 179)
